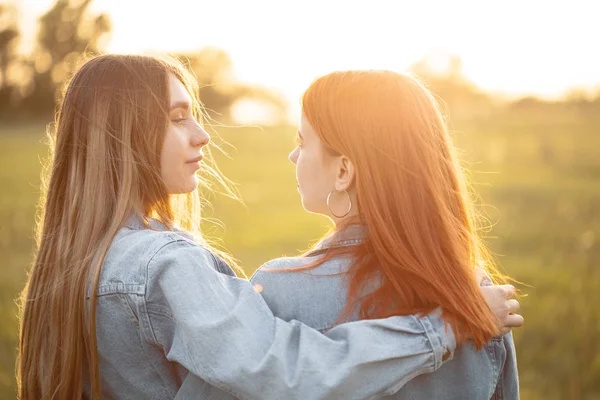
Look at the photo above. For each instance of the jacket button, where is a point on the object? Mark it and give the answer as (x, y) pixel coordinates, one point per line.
(446, 356)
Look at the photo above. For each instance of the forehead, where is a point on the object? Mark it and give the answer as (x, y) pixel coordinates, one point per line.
(305, 128)
(178, 91)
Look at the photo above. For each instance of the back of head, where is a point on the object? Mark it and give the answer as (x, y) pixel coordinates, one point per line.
(106, 165)
(421, 243)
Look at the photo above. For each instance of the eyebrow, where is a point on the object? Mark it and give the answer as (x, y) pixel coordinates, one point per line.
(180, 104)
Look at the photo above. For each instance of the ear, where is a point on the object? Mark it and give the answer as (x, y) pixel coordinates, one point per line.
(345, 174)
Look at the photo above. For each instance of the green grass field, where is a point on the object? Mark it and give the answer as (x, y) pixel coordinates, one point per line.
(540, 188)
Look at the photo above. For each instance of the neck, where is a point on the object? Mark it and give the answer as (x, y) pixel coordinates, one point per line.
(342, 223)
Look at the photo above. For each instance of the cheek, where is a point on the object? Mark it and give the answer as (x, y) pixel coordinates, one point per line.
(312, 179)
(305, 169)
(167, 157)
(172, 164)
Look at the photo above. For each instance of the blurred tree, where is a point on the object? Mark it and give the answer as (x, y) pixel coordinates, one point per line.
(444, 76)
(66, 32)
(9, 35)
(219, 91)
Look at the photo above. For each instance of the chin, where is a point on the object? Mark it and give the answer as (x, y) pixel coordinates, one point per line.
(308, 207)
(187, 187)
(193, 186)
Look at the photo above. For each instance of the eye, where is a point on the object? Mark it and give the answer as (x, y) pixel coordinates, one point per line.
(179, 118)
(298, 141)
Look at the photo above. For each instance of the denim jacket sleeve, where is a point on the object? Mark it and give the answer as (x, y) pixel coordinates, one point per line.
(220, 329)
(508, 381)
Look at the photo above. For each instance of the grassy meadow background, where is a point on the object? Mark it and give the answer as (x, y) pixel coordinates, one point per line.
(534, 163)
(539, 185)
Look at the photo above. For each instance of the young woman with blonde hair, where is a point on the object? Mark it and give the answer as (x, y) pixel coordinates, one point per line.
(126, 300)
(374, 155)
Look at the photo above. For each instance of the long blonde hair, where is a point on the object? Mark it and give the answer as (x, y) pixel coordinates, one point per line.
(105, 167)
(422, 244)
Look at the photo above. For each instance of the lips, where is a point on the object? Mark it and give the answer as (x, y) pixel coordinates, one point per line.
(195, 160)
(194, 163)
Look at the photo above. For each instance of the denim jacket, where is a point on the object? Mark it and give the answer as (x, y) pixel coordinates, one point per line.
(174, 322)
(318, 296)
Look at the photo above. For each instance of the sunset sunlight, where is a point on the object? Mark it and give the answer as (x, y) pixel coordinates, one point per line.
(200, 199)
(512, 48)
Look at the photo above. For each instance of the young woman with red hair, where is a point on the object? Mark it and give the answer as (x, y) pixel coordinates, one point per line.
(375, 156)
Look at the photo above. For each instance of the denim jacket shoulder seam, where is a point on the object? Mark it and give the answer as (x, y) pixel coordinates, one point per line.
(149, 310)
(218, 264)
(108, 289)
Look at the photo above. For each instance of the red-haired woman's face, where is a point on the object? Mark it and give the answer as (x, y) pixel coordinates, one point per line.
(316, 169)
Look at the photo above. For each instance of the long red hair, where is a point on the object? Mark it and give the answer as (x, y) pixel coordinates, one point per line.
(422, 247)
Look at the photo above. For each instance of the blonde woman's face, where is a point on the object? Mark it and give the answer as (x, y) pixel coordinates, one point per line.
(182, 149)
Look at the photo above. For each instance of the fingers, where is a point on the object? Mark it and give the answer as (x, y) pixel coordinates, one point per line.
(509, 317)
(513, 321)
(513, 306)
(505, 309)
(509, 290)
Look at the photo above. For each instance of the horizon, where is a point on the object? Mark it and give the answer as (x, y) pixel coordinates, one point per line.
(539, 50)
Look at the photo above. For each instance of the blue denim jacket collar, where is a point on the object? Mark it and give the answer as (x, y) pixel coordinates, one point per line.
(135, 222)
(349, 236)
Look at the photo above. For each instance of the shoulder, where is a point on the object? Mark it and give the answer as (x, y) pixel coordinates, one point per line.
(285, 263)
(282, 269)
(274, 271)
(144, 245)
(286, 273)
(179, 272)
(296, 265)
(136, 256)
(145, 241)
(313, 296)
(173, 253)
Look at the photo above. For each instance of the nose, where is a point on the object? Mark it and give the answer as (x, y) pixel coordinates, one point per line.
(293, 156)
(199, 137)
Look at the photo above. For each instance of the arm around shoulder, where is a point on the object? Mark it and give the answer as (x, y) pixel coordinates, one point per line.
(220, 329)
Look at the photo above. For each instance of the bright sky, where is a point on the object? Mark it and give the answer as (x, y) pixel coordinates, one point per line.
(512, 47)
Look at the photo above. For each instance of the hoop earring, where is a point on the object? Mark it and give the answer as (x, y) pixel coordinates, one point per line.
(329, 206)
